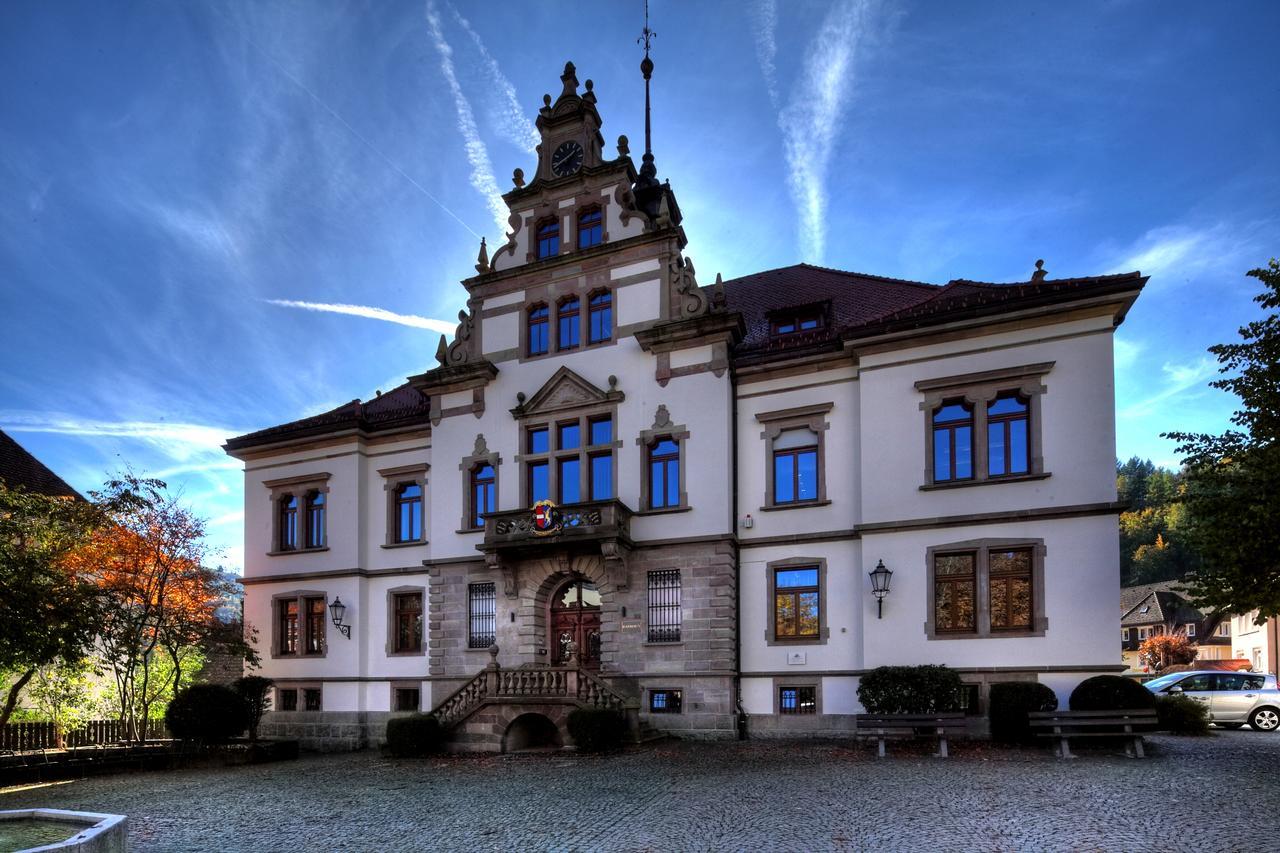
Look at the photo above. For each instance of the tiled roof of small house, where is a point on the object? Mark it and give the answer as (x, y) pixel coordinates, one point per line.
(20, 468)
(401, 406)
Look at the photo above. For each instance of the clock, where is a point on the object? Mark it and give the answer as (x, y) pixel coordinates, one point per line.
(567, 159)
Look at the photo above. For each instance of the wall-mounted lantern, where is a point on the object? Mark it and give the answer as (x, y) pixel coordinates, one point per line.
(339, 610)
(880, 578)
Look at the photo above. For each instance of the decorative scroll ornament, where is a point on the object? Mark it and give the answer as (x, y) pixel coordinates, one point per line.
(552, 516)
(459, 351)
(691, 301)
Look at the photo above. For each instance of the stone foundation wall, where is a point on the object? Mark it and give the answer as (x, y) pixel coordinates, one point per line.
(328, 731)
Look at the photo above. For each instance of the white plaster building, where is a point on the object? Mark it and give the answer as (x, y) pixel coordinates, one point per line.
(728, 463)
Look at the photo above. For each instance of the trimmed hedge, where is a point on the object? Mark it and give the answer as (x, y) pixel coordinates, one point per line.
(1111, 693)
(415, 736)
(910, 690)
(1010, 703)
(207, 712)
(597, 729)
(1182, 715)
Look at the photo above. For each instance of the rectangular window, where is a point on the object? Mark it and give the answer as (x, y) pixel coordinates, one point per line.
(311, 698)
(484, 495)
(568, 318)
(408, 622)
(288, 699)
(1224, 630)
(1007, 429)
(795, 466)
(539, 482)
(953, 442)
(590, 228)
(955, 581)
(665, 701)
(288, 626)
(482, 619)
(601, 317)
(315, 520)
(601, 476)
(796, 604)
(569, 437)
(315, 625)
(549, 239)
(408, 699)
(664, 606)
(289, 523)
(1191, 629)
(570, 484)
(1124, 635)
(408, 512)
(538, 440)
(664, 474)
(539, 332)
(1010, 584)
(601, 430)
(798, 700)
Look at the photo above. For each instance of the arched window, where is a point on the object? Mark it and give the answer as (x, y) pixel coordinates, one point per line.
(1008, 448)
(590, 228)
(538, 329)
(568, 322)
(484, 497)
(315, 519)
(289, 523)
(664, 474)
(953, 441)
(549, 238)
(408, 512)
(601, 317)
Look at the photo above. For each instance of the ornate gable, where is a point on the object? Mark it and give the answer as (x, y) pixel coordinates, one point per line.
(564, 391)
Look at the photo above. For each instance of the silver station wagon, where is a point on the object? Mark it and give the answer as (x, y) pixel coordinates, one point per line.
(1234, 698)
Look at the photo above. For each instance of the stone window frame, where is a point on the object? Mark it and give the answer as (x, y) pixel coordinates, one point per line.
(535, 240)
(480, 456)
(300, 688)
(561, 314)
(979, 390)
(301, 596)
(679, 433)
(404, 684)
(981, 549)
(812, 417)
(394, 478)
(648, 704)
(581, 210)
(781, 681)
(551, 296)
(824, 632)
(299, 487)
(552, 421)
(390, 646)
(471, 585)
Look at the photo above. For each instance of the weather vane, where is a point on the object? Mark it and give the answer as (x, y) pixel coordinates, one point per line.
(648, 33)
(648, 171)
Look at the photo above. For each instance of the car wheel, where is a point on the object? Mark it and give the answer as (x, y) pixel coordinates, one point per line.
(1265, 720)
(1228, 725)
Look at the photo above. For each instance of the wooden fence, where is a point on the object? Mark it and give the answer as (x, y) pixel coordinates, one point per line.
(24, 736)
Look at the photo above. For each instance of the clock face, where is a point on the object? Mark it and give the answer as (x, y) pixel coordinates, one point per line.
(567, 159)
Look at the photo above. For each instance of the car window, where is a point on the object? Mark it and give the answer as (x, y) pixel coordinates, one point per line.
(1254, 682)
(1230, 681)
(1203, 681)
(1162, 682)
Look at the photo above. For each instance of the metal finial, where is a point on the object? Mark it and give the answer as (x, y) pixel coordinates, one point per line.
(648, 170)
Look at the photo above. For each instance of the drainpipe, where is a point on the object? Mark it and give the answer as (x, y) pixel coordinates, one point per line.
(741, 717)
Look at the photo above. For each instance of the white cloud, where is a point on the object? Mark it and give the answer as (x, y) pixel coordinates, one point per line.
(764, 26)
(1126, 353)
(510, 118)
(482, 178)
(444, 327)
(1179, 253)
(179, 441)
(1179, 378)
(812, 121)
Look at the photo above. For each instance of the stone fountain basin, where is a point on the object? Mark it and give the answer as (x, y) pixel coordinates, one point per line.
(87, 832)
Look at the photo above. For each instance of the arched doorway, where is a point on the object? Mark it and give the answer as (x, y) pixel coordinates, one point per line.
(529, 732)
(575, 618)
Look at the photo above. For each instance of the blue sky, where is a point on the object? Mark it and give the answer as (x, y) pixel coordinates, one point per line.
(175, 178)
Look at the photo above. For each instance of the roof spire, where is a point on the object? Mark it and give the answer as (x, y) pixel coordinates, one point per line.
(648, 171)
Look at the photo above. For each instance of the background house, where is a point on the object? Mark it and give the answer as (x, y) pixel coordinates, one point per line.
(1158, 608)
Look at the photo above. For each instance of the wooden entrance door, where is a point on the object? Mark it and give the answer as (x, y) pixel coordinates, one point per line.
(575, 618)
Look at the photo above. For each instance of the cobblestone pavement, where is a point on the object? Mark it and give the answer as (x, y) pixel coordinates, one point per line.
(1207, 794)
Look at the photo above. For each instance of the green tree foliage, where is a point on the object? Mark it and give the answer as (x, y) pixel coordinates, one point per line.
(48, 610)
(1153, 537)
(64, 693)
(1231, 492)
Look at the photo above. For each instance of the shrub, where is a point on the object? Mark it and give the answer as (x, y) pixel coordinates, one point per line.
(597, 729)
(254, 691)
(207, 712)
(1111, 693)
(415, 736)
(1011, 702)
(910, 690)
(1182, 715)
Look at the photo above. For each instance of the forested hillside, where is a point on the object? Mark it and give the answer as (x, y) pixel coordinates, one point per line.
(1153, 530)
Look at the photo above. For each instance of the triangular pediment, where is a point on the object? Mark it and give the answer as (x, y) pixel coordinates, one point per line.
(564, 391)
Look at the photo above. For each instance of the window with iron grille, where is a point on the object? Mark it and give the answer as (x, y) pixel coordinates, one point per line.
(798, 700)
(664, 606)
(287, 700)
(482, 607)
(665, 702)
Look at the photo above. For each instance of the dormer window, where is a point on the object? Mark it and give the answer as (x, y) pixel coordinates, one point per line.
(590, 228)
(800, 321)
(548, 238)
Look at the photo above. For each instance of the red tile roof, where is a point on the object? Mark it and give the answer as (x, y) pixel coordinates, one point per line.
(20, 468)
(401, 406)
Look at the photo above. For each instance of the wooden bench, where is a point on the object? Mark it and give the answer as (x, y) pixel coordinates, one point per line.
(884, 726)
(1064, 725)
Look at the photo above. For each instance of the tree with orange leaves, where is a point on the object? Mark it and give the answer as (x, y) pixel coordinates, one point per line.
(1166, 650)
